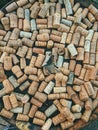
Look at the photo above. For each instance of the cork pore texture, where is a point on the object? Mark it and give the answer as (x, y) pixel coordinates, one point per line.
(93, 125)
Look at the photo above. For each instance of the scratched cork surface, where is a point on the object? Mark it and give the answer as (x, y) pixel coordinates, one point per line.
(94, 124)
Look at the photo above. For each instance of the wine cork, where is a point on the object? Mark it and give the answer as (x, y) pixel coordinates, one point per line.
(77, 88)
(55, 38)
(26, 108)
(64, 28)
(8, 87)
(76, 108)
(22, 63)
(25, 98)
(59, 89)
(49, 87)
(36, 102)
(33, 88)
(47, 124)
(66, 124)
(37, 121)
(15, 43)
(20, 13)
(66, 103)
(43, 37)
(20, 24)
(50, 110)
(22, 117)
(38, 50)
(88, 104)
(78, 81)
(32, 111)
(91, 17)
(78, 69)
(68, 7)
(7, 63)
(13, 21)
(27, 42)
(84, 13)
(15, 34)
(13, 81)
(66, 22)
(26, 25)
(40, 115)
(41, 96)
(11, 7)
(39, 60)
(86, 115)
(76, 38)
(13, 100)
(70, 78)
(33, 78)
(80, 56)
(82, 31)
(72, 49)
(7, 49)
(6, 101)
(29, 70)
(83, 95)
(17, 71)
(21, 3)
(6, 114)
(1, 14)
(95, 26)
(76, 6)
(22, 51)
(58, 119)
(32, 61)
(87, 22)
(24, 86)
(6, 23)
(14, 59)
(22, 79)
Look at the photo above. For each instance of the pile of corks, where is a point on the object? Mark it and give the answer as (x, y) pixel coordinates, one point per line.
(49, 61)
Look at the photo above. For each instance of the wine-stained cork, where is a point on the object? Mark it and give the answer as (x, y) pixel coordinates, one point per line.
(7, 63)
(17, 71)
(22, 117)
(7, 103)
(41, 96)
(32, 111)
(13, 100)
(26, 108)
(33, 88)
(39, 122)
(47, 124)
(6, 114)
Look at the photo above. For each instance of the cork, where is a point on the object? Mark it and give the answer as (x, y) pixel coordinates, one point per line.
(39, 60)
(37, 121)
(22, 51)
(49, 87)
(7, 49)
(66, 124)
(7, 63)
(22, 79)
(22, 63)
(6, 114)
(32, 111)
(33, 88)
(6, 23)
(24, 86)
(36, 102)
(14, 21)
(33, 78)
(29, 70)
(80, 56)
(76, 108)
(78, 69)
(14, 59)
(84, 13)
(26, 108)
(21, 3)
(25, 98)
(88, 104)
(40, 115)
(13, 81)
(22, 117)
(86, 115)
(17, 71)
(76, 6)
(72, 50)
(13, 100)
(66, 103)
(1, 14)
(20, 24)
(11, 7)
(72, 65)
(6, 101)
(47, 124)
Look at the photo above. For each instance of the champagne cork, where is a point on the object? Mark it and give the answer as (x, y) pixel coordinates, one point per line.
(66, 103)
(83, 95)
(22, 2)
(11, 7)
(40, 115)
(80, 56)
(32, 111)
(76, 38)
(76, 108)
(14, 59)
(58, 119)
(88, 104)
(72, 49)
(76, 6)
(78, 69)
(89, 88)
(37, 121)
(47, 124)
(66, 124)
(26, 108)
(15, 34)
(24, 86)
(7, 49)
(27, 42)
(6, 101)
(6, 114)
(86, 115)
(22, 51)
(7, 63)
(13, 100)
(22, 117)
(22, 79)
(8, 86)
(50, 110)
(22, 63)
(39, 60)
(29, 70)
(6, 23)
(38, 50)
(43, 37)
(20, 13)
(36, 102)
(13, 21)
(17, 71)
(33, 88)
(33, 78)
(42, 13)
(49, 87)
(41, 96)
